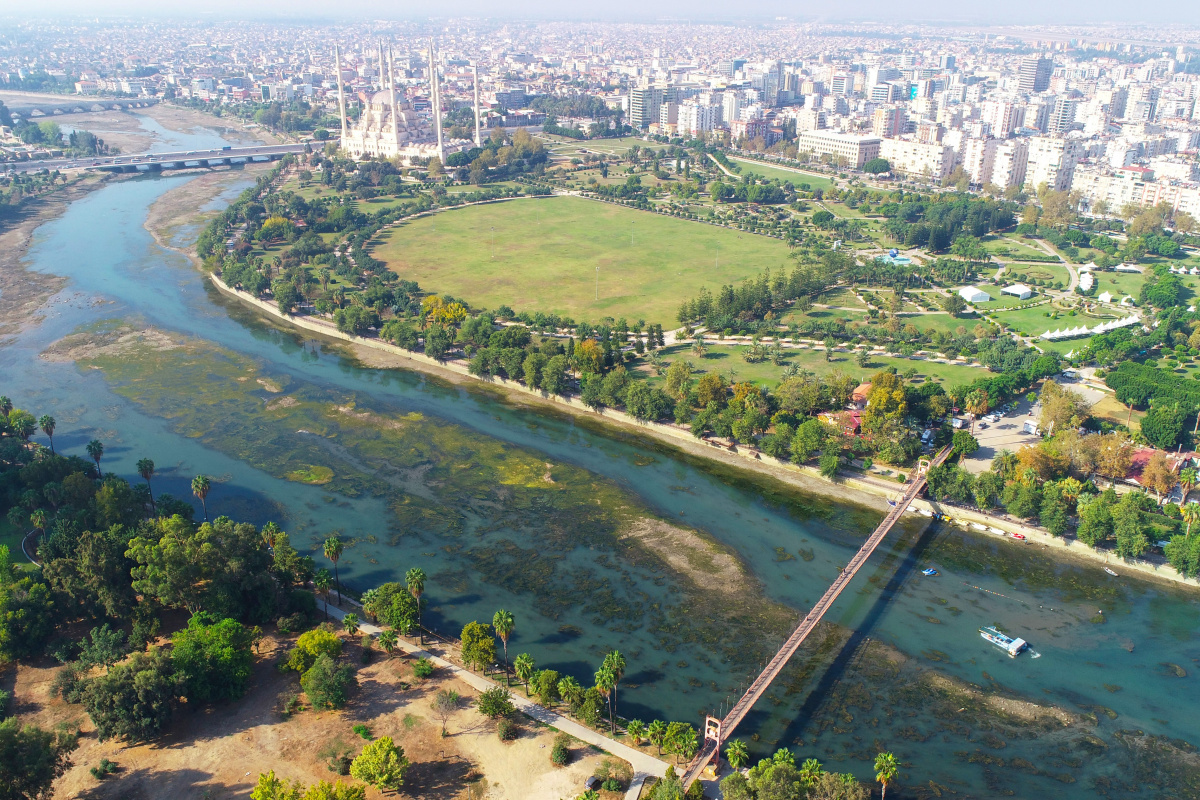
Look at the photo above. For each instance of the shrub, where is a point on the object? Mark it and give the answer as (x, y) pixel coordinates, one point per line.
(612, 785)
(326, 683)
(496, 702)
(310, 646)
(363, 731)
(559, 754)
(422, 668)
(292, 623)
(507, 730)
(104, 769)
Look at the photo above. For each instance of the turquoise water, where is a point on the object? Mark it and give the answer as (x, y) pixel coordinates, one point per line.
(844, 707)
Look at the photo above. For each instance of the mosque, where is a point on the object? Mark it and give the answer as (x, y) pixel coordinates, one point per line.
(389, 126)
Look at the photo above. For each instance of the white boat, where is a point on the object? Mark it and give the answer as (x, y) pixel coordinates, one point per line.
(1008, 644)
(1110, 572)
(997, 531)
(978, 527)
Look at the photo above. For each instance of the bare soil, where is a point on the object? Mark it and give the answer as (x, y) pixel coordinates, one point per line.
(178, 206)
(704, 561)
(219, 752)
(110, 342)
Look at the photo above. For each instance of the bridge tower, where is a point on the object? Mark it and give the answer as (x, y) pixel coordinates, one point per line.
(712, 733)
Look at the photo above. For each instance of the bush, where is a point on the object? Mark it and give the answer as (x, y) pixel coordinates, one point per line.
(612, 785)
(496, 702)
(326, 684)
(292, 623)
(422, 668)
(507, 730)
(559, 754)
(104, 769)
(312, 645)
(214, 658)
(363, 731)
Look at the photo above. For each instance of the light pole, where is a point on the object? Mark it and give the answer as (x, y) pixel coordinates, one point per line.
(493, 242)
(631, 234)
(597, 282)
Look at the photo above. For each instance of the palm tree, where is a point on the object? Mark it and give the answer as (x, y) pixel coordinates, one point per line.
(350, 623)
(655, 732)
(268, 533)
(736, 753)
(523, 665)
(606, 682)
(388, 640)
(38, 519)
(200, 487)
(636, 730)
(95, 449)
(323, 582)
(415, 580)
(886, 767)
(333, 551)
(47, 423)
(5, 405)
(977, 404)
(1191, 515)
(1187, 482)
(503, 623)
(616, 665)
(145, 468)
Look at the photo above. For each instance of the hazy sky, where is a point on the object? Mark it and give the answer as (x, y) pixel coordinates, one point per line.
(1008, 12)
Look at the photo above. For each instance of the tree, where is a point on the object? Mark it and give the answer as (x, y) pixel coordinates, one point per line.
(495, 703)
(524, 666)
(95, 449)
(323, 584)
(736, 753)
(31, 759)
(326, 683)
(478, 645)
(47, 424)
(22, 423)
(200, 487)
(145, 468)
(1187, 481)
(445, 703)
(388, 641)
(656, 732)
(381, 764)
(503, 623)
(636, 728)
(134, 700)
(1164, 425)
(415, 580)
(810, 437)
(964, 444)
(1191, 515)
(214, 659)
(350, 623)
(886, 768)
(876, 166)
(1095, 517)
(333, 548)
(606, 683)
(1158, 474)
(312, 645)
(572, 694)
(1128, 527)
(616, 664)
(26, 617)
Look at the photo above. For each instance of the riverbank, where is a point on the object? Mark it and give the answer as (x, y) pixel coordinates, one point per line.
(863, 491)
(22, 292)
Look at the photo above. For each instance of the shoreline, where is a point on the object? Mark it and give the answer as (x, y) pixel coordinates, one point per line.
(870, 493)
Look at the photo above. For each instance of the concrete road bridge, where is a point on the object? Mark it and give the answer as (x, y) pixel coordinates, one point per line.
(155, 162)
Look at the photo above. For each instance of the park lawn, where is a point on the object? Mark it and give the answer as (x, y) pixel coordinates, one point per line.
(10, 537)
(1039, 272)
(1062, 347)
(1016, 249)
(822, 315)
(727, 360)
(843, 297)
(1119, 283)
(1109, 408)
(1034, 321)
(940, 322)
(783, 174)
(1001, 301)
(556, 254)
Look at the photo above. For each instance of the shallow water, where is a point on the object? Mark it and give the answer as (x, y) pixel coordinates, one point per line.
(542, 553)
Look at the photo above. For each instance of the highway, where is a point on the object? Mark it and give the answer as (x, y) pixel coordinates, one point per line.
(145, 162)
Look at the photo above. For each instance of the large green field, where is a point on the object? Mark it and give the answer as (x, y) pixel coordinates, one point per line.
(571, 256)
(784, 175)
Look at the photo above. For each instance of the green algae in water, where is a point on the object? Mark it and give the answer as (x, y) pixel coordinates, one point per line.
(783, 555)
(806, 553)
(311, 474)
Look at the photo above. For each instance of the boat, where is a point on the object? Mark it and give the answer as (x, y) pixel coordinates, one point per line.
(1110, 572)
(1008, 644)
(929, 573)
(1020, 536)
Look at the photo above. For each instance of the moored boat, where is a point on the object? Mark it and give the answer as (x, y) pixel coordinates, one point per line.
(1008, 644)
(929, 573)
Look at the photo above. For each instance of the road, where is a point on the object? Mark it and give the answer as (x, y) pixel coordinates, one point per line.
(135, 160)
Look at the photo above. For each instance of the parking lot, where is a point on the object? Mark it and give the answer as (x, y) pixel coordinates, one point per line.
(1007, 434)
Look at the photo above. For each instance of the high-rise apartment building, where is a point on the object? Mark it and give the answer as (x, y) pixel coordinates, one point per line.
(1063, 116)
(979, 159)
(644, 105)
(889, 121)
(1010, 164)
(1052, 161)
(731, 107)
(1034, 74)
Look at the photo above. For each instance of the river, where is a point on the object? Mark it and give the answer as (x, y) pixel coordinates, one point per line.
(1119, 657)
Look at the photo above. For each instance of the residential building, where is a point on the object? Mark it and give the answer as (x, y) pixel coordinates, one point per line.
(645, 103)
(930, 161)
(889, 121)
(854, 151)
(979, 159)
(1011, 163)
(1062, 118)
(1034, 74)
(1052, 161)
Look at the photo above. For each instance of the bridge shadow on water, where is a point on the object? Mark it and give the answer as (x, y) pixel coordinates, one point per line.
(837, 667)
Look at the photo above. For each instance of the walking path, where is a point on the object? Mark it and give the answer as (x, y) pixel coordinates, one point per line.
(644, 766)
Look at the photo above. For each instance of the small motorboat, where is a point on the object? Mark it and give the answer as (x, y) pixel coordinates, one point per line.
(1020, 536)
(929, 573)
(1110, 572)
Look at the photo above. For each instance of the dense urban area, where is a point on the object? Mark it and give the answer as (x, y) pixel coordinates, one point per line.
(837, 270)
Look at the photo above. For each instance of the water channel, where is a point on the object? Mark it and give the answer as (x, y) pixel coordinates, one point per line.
(1126, 677)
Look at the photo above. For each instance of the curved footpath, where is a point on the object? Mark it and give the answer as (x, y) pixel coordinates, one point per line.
(866, 491)
(644, 766)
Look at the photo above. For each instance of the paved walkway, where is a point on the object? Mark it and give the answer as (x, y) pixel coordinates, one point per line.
(644, 766)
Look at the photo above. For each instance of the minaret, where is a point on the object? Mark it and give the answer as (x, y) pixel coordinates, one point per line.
(382, 83)
(478, 140)
(437, 102)
(395, 110)
(337, 60)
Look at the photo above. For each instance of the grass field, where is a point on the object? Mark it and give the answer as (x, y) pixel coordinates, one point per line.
(784, 175)
(1040, 272)
(1034, 321)
(552, 253)
(727, 360)
(1119, 283)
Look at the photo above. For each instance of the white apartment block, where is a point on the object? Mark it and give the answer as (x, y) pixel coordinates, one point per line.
(694, 118)
(1052, 162)
(854, 150)
(979, 159)
(933, 161)
(1002, 116)
(1134, 185)
(1011, 163)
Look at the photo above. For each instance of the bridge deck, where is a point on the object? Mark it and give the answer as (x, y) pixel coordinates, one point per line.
(806, 626)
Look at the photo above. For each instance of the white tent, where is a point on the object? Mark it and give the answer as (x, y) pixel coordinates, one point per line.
(973, 294)
(1019, 289)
